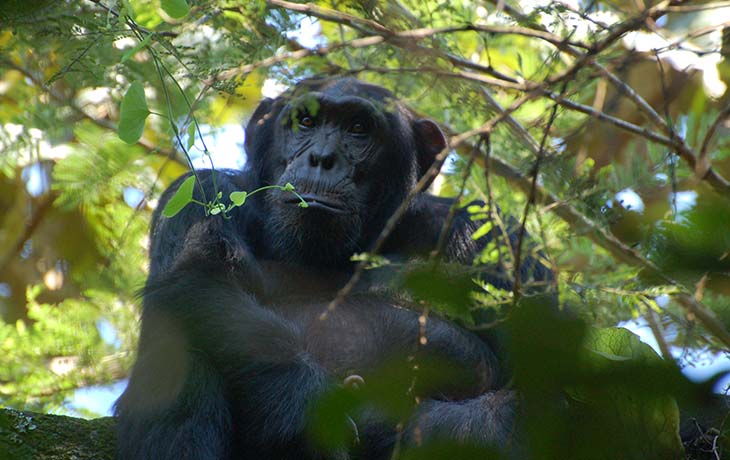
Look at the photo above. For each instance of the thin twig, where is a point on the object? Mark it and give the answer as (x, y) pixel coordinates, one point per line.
(703, 166)
(532, 90)
(517, 287)
(405, 39)
(68, 102)
(453, 143)
(446, 227)
(656, 329)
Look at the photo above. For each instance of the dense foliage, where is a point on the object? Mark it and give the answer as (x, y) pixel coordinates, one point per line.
(600, 126)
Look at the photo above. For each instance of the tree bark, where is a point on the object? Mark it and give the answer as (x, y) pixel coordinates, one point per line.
(32, 436)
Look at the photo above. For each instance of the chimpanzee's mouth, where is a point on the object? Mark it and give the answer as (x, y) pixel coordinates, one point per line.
(318, 202)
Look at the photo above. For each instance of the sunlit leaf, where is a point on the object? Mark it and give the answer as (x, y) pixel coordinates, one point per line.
(181, 198)
(175, 8)
(133, 114)
(191, 136)
(483, 230)
(238, 198)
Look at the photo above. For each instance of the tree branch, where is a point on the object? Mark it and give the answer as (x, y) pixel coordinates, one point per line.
(31, 436)
(36, 217)
(579, 222)
(106, 124)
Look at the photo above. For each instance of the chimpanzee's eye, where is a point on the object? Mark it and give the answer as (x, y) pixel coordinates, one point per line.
(306, 122)
(359, 127)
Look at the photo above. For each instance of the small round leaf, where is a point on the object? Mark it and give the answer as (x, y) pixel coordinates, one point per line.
(238, 198)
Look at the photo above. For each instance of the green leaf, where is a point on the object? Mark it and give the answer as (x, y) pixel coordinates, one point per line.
(181, 198)
(636, 388)
(620, 342)
(449, 291)
(126, 56)
(133, 114)
(238, 198)
(611, 356)
(175, 8)
(330, 426)
(191, 136)
(125, 9)
(371, 260)
(483, 230)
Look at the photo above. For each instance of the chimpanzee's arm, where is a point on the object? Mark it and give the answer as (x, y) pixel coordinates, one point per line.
(435, 342)
(487, 420)
(202, 329)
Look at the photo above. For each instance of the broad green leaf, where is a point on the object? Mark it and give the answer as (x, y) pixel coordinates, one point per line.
(238, 198)
(330, 425)
(620, 343)
(181, 198)
(175, 8)
(447, 291)
(133, 114)
(611, 356)
(642, 403)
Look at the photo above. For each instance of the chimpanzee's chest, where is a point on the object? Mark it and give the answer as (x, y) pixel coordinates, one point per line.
(352, 338)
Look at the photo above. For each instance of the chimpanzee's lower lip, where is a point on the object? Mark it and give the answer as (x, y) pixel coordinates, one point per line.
(319, 203)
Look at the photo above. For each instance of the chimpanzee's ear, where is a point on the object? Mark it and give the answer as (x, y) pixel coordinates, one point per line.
(258, 119)
(430, 141)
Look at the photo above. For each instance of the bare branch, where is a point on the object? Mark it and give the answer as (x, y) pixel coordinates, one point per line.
(332, 16)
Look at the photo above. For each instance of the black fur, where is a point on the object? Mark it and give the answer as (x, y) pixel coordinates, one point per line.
(232, 350)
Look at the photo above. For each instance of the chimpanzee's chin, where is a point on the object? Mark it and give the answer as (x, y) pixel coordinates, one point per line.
(313, 237)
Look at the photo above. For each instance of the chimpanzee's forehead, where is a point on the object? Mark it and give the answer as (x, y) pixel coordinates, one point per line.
(347, 86)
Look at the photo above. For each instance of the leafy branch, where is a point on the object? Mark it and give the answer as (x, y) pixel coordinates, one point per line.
(184, 196)
(379, 34)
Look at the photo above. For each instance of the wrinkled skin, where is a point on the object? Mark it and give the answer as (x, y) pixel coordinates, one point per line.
(233, 351)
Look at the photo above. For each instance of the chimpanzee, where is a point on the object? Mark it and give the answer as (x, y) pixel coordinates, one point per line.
(233, 349)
